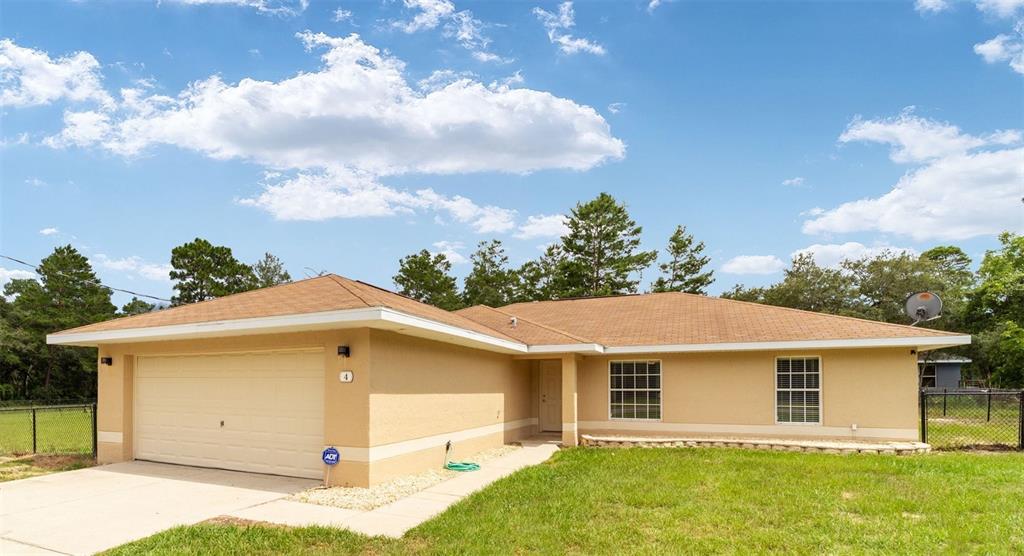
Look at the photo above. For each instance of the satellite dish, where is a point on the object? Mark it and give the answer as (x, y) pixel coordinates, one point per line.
(923, 306)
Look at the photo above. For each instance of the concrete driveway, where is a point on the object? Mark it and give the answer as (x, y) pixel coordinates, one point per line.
(88, 510)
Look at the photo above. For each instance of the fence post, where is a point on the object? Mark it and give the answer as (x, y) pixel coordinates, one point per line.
(924, 417)
(1020, 420)
(33, 430)
(944, 396)
(988, 416)
(95, 434)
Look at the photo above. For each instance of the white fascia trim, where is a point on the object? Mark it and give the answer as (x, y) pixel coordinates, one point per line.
(395, 449)
(773, 430)
(923, 341)
(201, 328)
(567, 348)
(282, 323)
(406, 319)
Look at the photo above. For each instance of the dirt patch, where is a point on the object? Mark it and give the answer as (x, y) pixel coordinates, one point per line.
(239, 522)
(41, 464)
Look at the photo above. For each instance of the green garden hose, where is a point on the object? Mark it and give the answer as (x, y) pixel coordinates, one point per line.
(458, 465)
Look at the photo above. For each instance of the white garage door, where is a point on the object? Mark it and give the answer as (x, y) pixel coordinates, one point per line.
(260, 412)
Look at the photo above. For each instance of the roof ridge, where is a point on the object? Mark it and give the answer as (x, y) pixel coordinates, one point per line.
(805, 311)
(338, 280)
(533, 322)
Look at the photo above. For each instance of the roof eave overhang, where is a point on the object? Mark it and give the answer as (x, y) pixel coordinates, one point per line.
(374, 317)
(918, 342)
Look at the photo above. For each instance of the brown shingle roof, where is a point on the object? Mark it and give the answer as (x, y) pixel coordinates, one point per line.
(314, 295)
(680, 318)
(632, 320)
(525, 331)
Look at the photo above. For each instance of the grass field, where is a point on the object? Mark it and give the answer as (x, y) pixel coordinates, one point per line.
(705, 501)
(58, 431)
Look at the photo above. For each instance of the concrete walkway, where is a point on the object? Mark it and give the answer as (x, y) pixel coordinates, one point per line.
(395, 519)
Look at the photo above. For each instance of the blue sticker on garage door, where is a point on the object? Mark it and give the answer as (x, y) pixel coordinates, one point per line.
(331, 456)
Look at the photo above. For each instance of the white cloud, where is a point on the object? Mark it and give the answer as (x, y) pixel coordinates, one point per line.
(255, 53)
(49, 231)
(1003, 48)
(35, 182)
(135, 265)
(29, 77)
(793, 182)
(557, 25)
(542, 225)
(931, 6)
(359, 112)
(753, 264)
(1001, 8)
(462, 26)
(451, 249)
(831, 254)
(431, 12)
(956, 192)
(653, 5)
(81, 129)
(341, 194)
(341, 14)
(917, 139)
(616, 107)
(271, 7)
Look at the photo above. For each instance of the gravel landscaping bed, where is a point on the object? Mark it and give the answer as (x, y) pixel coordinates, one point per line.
(357, 498)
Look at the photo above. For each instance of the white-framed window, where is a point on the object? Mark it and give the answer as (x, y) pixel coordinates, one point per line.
(928, 376)
(798, 390)
(635, 389)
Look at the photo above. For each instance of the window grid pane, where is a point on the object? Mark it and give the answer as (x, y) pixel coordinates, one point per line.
(635, 389)
(798, 389)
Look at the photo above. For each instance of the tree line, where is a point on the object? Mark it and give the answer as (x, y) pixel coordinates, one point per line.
(599, 255)
(67, 294)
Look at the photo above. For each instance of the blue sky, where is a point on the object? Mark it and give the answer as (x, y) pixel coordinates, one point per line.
(265, 125)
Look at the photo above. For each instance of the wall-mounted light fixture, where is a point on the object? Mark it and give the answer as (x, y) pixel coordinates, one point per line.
(344, 351)
(106, 361)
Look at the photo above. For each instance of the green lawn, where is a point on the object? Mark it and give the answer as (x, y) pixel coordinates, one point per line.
(58, 431)
(603, 501)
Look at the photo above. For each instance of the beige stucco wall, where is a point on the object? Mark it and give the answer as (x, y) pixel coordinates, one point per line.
(734, 393)
(407, 396)
(423, 393)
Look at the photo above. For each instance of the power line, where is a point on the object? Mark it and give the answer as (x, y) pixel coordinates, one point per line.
(137, 294)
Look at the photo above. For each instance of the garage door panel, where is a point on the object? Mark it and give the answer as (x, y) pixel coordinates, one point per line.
(271, 406)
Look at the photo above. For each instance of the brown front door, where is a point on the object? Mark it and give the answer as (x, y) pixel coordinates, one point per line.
(550, 395)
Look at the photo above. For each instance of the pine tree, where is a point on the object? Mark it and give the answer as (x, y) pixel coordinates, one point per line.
(136, 307)
(602, 250)
(683, 271)
(67, 294)
(542, 280)
(490, 282)
(426, 277)
(269, 271)
(205, 271)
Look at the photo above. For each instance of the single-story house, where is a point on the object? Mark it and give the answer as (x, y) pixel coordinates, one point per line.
(263, 381)
(941, 370)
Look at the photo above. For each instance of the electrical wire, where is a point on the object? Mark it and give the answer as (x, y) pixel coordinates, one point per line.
(94, 283)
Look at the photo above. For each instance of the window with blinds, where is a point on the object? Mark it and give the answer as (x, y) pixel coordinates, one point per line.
(635, 389)
(798, 390)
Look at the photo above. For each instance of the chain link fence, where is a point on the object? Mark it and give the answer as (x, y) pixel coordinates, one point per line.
(993, 419)
(48, 429)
